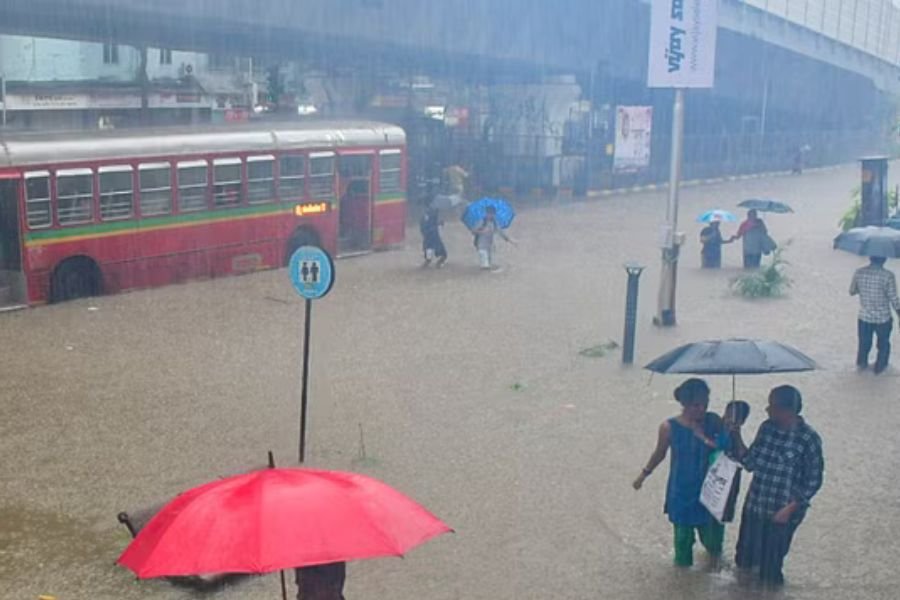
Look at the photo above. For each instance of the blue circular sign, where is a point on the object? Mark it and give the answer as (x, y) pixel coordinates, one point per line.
(312, 272)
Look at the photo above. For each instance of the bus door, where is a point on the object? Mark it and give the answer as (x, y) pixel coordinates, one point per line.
(355, 202)
(12, 278)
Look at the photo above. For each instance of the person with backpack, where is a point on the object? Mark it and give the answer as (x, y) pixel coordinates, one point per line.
(432, 245)
(756, 239)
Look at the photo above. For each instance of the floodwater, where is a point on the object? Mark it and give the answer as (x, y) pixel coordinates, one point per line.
(465, 390)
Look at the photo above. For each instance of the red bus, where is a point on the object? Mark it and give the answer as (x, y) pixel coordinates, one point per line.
(104, 212)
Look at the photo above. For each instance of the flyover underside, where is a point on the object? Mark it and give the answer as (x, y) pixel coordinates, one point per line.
(773, 79)
(569, 37)
(493, 38)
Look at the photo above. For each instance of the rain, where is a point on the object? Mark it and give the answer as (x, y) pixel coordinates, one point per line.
(428, 249)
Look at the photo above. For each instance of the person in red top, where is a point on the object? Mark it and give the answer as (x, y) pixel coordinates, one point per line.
(754, 234)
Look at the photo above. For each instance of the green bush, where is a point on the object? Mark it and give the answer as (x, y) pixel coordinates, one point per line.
(851, 217)
(769, 281)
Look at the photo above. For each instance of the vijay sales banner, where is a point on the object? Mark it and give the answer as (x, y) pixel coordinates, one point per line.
(682, 43)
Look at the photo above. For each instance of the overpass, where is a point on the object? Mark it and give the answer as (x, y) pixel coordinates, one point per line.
(474, 35)
(790, 73)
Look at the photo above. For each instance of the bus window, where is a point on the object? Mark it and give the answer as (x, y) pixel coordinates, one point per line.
(116, 193)
(260, 179)
(227, 182)
(321, 177)
(292, 177)
(390, 181)
(192, 183)
(156, 189)
(37, 199)
(74, 196)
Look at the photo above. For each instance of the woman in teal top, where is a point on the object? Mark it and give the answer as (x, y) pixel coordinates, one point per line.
(692, 437)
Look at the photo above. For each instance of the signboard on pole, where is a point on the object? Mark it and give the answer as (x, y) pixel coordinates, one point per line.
(103, 100)
(312, 272)
(682, 43)
(312, 275)
(633, 135)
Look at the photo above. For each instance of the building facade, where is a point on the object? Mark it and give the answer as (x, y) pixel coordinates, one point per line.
(66, 84)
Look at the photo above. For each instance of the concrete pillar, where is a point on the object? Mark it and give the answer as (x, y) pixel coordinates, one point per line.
(874, 209)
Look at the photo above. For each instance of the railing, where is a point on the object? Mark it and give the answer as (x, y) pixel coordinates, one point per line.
(705, 157)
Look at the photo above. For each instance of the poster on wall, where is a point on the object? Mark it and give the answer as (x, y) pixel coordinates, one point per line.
(633, 134)
(682, 43)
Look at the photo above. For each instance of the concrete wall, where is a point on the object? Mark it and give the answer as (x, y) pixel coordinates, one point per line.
(157, 70)
(35, 59)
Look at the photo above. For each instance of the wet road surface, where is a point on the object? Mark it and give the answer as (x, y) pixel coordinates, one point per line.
(465, 390)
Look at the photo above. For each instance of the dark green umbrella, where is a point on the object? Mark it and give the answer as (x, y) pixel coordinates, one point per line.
(732, 357)
(870, 241)
(766, 205)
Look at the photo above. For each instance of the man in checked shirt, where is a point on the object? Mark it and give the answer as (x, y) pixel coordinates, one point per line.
(787, 465)
(877, 291)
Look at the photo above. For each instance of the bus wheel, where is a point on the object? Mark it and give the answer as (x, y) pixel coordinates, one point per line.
(77, 277)
(301, 237)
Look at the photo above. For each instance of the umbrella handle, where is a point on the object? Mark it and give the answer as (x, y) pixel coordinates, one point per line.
(283, 586)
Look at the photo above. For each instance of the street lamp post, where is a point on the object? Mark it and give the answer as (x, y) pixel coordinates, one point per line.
(3, 99)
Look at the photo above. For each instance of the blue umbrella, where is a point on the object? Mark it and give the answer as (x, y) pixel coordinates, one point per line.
(766, 205)
(475, 212)
(717, 214)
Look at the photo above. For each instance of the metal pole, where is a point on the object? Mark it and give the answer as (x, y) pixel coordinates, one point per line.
(305, 379)
(281, 572)
(3, 99)
(631, 300)
(666, 314)
(590, 134)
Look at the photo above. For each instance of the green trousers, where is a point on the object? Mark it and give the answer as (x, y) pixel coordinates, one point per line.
(711, 536)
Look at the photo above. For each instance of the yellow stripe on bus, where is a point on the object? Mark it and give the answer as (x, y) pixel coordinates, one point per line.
(391, 201)
(138, 229)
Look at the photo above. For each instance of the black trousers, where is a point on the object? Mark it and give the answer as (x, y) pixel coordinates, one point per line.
(752, 261)
(321, 582)
(763, 544)
(866, 331)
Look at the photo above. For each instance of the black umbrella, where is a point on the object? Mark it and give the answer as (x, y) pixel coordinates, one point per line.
(766, 205)
(870, 241)
(732, 357)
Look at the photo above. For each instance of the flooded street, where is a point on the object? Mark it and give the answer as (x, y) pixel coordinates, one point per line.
(464, 390)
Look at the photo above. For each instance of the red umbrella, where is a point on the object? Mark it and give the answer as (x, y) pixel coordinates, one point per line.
(275, 519)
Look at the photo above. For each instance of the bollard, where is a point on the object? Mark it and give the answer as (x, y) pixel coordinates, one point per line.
(631, 297)
(873, 192)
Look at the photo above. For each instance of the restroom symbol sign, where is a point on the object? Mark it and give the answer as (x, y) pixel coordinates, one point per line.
(312, 272)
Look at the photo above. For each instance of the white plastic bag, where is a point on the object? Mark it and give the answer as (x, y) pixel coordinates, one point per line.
(717, 486)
